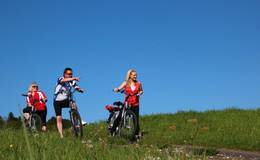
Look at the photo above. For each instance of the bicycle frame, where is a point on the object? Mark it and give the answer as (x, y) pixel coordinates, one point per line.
(125, 107)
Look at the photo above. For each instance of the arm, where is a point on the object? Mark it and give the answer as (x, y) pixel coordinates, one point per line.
(141, 91)
(77, 87)
(43, 97)
(120, 87)
(29, 100)
(64, 80)
(73, 80)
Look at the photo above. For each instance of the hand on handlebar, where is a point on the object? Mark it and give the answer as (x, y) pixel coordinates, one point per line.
(44, 100)
(80, 90)
(116, 90)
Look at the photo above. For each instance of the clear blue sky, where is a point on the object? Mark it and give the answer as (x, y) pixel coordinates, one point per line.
(194, 55)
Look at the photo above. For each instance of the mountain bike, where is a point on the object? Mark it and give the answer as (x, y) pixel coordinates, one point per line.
(33, 123)
(122, 121)
(75, 119)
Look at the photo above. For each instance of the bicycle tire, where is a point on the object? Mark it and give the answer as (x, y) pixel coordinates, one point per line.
(77, 127)
(128, 125)
(35, 123)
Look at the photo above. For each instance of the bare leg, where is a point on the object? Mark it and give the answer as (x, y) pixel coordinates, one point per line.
(44, 129)
(26, 116)
(59, 125)
(26, 119)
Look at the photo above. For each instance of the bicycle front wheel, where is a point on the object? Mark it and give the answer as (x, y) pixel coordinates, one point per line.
(128, 125)
(36, 123)
(77, 127)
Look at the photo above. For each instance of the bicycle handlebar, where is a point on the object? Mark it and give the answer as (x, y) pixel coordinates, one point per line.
(122, 91)
(24, 95)
(80, 91)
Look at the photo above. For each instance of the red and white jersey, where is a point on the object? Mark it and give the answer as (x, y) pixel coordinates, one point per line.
(36, 99)
(131, 94)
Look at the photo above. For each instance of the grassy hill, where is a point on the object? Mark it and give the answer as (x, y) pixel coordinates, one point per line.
(230, 128)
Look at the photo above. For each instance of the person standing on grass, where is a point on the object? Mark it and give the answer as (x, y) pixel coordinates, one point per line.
(133, 91)
(61, 96)
(36, 100)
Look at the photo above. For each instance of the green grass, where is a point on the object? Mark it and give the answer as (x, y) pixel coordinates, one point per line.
(231, 128)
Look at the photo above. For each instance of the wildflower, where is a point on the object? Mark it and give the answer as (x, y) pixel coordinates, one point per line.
(172, 127)
(193, 121)
(90, 146)
(205, 129)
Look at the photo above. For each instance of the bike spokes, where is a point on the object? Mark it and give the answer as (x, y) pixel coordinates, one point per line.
(34, 124)
(128, 125)
(77, 127)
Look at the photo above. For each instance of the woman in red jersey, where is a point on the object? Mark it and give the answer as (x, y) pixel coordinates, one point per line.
(133, 91)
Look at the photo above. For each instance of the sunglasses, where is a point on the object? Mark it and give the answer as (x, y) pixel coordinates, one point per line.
(35, 86)
(70, 74)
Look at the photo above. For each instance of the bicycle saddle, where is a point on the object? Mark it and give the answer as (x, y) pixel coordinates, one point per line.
(118, 103)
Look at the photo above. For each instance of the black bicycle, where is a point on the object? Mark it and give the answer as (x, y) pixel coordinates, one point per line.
(122, 121)
(75, 119)
(33, 123)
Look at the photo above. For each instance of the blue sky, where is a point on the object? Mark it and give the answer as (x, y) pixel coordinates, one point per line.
(190, 55)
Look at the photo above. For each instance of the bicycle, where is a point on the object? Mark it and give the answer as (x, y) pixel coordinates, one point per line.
(75, 119)
(122, 121)
(33, 123)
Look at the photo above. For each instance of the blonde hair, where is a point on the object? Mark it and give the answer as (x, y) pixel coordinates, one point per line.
(31, 85)
(127, 79)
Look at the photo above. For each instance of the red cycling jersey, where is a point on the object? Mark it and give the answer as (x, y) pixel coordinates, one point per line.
(36, 99)
(132, 97)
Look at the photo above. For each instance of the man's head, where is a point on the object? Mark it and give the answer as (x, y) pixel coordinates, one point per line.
(68, 73)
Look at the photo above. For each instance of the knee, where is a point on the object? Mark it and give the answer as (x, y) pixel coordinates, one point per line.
(59, 119)
(44, 128)
(26, 116)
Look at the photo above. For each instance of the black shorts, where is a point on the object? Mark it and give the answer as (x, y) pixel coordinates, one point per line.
(43, 115)
(27, 110)
(58, 105)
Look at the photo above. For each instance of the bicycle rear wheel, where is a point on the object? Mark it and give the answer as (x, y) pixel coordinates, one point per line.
(77, 127)
(35, 123)
(128, 125)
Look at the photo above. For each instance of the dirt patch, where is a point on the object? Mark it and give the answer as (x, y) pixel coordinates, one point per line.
(236, 155)
(221, 154)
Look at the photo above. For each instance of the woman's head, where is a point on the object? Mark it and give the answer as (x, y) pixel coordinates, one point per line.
(68, 73)
(33, 87)
(131, 75)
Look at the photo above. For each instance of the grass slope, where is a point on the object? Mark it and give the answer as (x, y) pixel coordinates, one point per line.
(230, 128)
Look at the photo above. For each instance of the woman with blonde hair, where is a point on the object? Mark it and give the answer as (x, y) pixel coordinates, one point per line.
(36, 100)
(133, 90)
